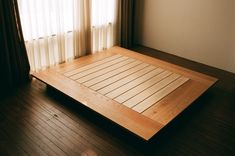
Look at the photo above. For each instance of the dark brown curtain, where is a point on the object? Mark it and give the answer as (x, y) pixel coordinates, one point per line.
(14, 64)
(127, 23)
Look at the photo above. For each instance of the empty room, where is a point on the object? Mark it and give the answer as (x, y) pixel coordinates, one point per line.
(117, 77)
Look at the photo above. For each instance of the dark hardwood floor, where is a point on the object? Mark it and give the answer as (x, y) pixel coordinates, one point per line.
(38, 120)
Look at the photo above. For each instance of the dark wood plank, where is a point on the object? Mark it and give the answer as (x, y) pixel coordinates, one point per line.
(71, 121)
(9, 148)
(205, 128)
(24, 120)
(122, 115)
(59, 130)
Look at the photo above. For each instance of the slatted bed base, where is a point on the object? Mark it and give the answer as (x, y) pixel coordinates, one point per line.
(139, 93)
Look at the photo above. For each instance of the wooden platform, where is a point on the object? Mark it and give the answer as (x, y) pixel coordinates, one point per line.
(139, 93)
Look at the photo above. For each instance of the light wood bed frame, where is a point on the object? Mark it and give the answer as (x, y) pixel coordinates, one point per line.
(140, 93)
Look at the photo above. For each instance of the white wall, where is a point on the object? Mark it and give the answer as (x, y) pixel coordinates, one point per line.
(200, 30)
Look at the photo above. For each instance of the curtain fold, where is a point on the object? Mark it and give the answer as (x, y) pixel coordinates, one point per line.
(56, 31)
(105, 21)
(81, 27)
(127, 23)
(14, 62)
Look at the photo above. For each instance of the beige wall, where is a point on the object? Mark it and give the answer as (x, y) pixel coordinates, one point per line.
(200, 30)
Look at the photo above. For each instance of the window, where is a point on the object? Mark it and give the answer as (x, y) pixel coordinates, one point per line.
(59, 30)
(103, 12)
(48, 17)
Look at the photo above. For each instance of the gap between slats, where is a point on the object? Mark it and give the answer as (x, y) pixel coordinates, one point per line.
(130, 82)
(114, 82)
(97, 68)
(92, 65)
(150, 90)
(144, 105)
(100, 73)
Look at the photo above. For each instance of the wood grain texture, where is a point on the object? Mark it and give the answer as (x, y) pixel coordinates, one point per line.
(109, 72)
(113, 82)
(132, 88)
(202, 78)
(149, 71)
(111, 65)
(110, 109)
(139, 94)
(77, 70)
(148, 90)
(157, 96)
(205, 128)
(144, 82)
(144, 125)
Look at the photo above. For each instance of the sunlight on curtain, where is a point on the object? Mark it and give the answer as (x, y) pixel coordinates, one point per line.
(104, 20)
(59, 30)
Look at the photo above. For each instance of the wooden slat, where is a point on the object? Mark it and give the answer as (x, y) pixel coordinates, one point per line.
(125, 117)
(143, 95)
(141, 87)
(167, 108)
(81, 62)
(151, 90)
(206, 79)
(128, 62)
(115, 93)
(132, 77)
(137, 71)
(97, 68)
(159, 95)
(115, 72)
(92, 65)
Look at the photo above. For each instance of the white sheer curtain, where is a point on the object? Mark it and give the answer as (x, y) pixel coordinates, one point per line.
(59, 30)
(105, 24)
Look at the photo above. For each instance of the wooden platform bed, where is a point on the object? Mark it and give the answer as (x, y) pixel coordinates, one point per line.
(137, 92)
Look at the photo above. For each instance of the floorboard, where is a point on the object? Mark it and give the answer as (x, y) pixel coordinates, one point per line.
(205, 128)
